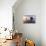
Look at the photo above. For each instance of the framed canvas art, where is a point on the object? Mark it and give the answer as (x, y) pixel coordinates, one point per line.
(29, 19)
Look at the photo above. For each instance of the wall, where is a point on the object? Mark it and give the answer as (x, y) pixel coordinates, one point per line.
(43, 22)
(30, 31)
(6, 13)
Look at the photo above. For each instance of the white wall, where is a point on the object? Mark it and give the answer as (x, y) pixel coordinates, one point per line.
(6, 13)
(43, 22)
(31, 31)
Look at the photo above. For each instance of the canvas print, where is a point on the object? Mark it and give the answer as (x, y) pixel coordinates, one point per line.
(29, 19)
